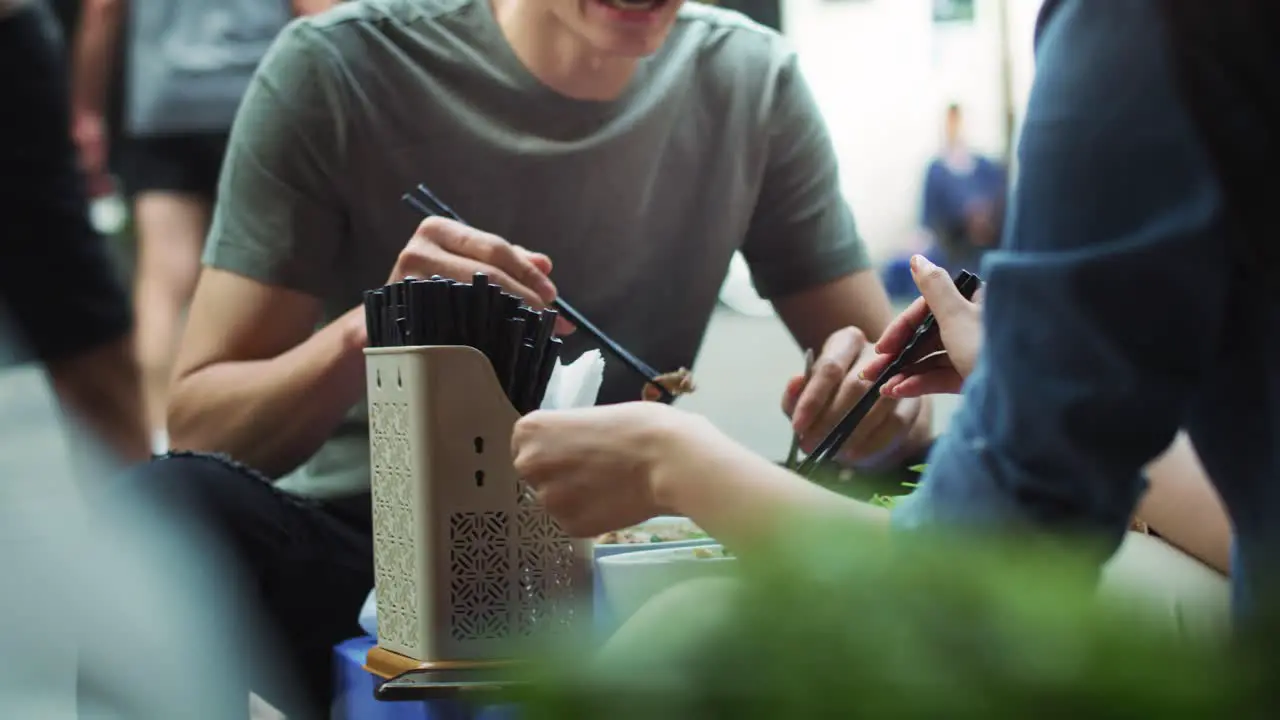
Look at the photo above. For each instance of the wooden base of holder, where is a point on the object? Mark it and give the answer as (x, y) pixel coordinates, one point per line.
(386, 664)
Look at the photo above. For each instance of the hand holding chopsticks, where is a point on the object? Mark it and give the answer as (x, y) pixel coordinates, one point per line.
(912, 351)
(426, 202)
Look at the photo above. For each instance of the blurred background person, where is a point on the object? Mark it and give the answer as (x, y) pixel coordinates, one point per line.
(188, 64)
(964, 198)
(102, 590)
(57, 286)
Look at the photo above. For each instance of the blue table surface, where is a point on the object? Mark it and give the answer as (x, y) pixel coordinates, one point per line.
(353, 696)
(353, 699)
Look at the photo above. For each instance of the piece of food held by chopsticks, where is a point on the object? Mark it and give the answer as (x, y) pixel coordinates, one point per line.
(677, 383)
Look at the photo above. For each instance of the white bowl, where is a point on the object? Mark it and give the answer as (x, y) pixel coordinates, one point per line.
(629, 580)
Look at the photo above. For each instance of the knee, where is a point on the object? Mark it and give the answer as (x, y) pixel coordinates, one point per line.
(186, 478)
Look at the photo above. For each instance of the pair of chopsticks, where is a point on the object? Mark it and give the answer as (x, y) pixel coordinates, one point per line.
(967, 283)
(794, 454)
(428, 204)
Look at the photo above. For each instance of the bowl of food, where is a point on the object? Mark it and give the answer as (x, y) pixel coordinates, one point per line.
(629, 580)
(666, 531)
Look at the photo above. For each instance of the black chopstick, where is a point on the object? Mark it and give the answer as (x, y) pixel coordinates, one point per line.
(429, 204)
(967, 283)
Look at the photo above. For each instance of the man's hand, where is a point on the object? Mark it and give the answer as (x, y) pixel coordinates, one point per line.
(453, 250)
(594, 468)
(835, 387)
(950, 358)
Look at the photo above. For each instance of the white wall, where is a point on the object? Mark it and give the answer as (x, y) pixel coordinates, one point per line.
(883, 74)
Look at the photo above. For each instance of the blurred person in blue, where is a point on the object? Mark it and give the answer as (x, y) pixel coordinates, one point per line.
(1134, 293)
(964, 198)
(962, 213)
(107, 596)
(188, 66)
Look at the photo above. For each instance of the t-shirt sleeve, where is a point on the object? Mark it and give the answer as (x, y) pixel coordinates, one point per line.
(1104, 306)
(280, 217)
(802, 232)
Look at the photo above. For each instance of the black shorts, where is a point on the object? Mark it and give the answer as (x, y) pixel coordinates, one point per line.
(188, 164)
(57, 280)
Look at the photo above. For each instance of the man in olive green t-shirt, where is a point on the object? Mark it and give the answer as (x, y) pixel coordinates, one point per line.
(638, 146)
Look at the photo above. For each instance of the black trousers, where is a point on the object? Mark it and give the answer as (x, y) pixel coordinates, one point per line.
(309, 564)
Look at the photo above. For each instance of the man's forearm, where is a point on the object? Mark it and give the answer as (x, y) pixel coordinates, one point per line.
(739, 497)
(273, 414)
(93, 53)
(102, 389)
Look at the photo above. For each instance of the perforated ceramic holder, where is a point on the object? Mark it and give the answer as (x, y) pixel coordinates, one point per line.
(466, 564)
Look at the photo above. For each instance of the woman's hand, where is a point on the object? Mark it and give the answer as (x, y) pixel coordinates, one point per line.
(949, 358)
(594, 469)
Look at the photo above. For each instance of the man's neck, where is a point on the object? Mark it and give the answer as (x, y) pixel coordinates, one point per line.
(556, 56)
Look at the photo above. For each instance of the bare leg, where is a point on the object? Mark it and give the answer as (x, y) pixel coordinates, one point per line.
(170, 229)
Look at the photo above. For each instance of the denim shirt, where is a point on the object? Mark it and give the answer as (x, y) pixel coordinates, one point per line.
(1115, 312)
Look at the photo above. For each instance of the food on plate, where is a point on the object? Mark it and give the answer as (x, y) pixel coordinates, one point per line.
(677, 383)
(711, 552)
(654, 533)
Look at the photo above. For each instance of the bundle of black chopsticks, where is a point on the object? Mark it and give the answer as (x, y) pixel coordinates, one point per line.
(516, 338)
(967, 283)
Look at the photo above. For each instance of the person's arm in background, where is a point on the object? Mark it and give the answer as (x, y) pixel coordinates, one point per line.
(806, 257)
(102, 388)
(1105, 300)
(1182, 506)
(57, 282)
(93, 56)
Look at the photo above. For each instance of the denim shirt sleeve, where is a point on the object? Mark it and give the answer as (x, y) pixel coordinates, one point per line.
(1103, 305)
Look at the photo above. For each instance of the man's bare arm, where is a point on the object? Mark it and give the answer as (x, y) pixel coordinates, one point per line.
(94, 53)
(102, 389)
(252, 380)
(857, 300)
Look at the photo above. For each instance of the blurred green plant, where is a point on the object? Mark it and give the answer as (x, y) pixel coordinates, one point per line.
(836, 622)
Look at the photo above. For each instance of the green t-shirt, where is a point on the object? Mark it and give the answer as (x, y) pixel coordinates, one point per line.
(715, 146)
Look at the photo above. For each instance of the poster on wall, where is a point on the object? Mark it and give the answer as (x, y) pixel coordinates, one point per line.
(765, 12)
(953, 11)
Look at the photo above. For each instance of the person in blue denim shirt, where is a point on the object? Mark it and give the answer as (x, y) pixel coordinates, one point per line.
(1115, 311)
(1132, 295)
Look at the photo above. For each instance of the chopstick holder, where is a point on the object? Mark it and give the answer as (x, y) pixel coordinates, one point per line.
(465, 561)
(967, 283)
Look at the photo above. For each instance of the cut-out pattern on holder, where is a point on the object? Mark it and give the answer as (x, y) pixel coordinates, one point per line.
(396, 575)
(546, 565)
(480, 565)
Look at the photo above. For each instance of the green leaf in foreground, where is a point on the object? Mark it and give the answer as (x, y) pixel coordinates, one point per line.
(832, 622)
